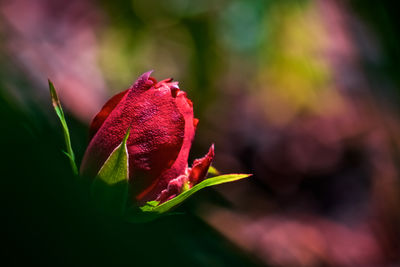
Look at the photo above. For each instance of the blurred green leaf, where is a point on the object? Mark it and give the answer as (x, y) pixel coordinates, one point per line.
(60, 113)
(110, 187)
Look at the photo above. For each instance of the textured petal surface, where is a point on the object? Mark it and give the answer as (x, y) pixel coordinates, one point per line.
(157, 130)
(155, 145)
(173, 189)
(104, 112)
(162, 125)
(196, 174)
(178, 168)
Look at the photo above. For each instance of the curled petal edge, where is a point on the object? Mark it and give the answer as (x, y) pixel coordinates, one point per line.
(193, 176)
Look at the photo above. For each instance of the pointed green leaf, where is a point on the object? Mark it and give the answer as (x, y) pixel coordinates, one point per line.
(60, 113)
(213, 171)
(110, 187)
(152, 206)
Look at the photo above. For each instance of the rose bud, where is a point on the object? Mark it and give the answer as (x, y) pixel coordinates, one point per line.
(162, 128)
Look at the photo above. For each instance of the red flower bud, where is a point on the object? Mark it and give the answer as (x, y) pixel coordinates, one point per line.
(162, 125)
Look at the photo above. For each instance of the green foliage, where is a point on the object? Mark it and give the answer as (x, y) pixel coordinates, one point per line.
(166, 206)
(152, 209)
(60, 113)
(110, 188)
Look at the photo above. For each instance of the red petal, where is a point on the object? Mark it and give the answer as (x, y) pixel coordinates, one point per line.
(195, 123)
(144, 82)
(157, 130)
(174, 188)
(200, 167)
(113, 102)
(157, 136)
(179, 165)
(104, 112)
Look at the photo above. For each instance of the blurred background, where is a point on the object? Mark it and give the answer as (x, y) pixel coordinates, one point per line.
(304, 94)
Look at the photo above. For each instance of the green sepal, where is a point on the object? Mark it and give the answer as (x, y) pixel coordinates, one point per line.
(110, 188)
(152, 210)
(60, 113)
